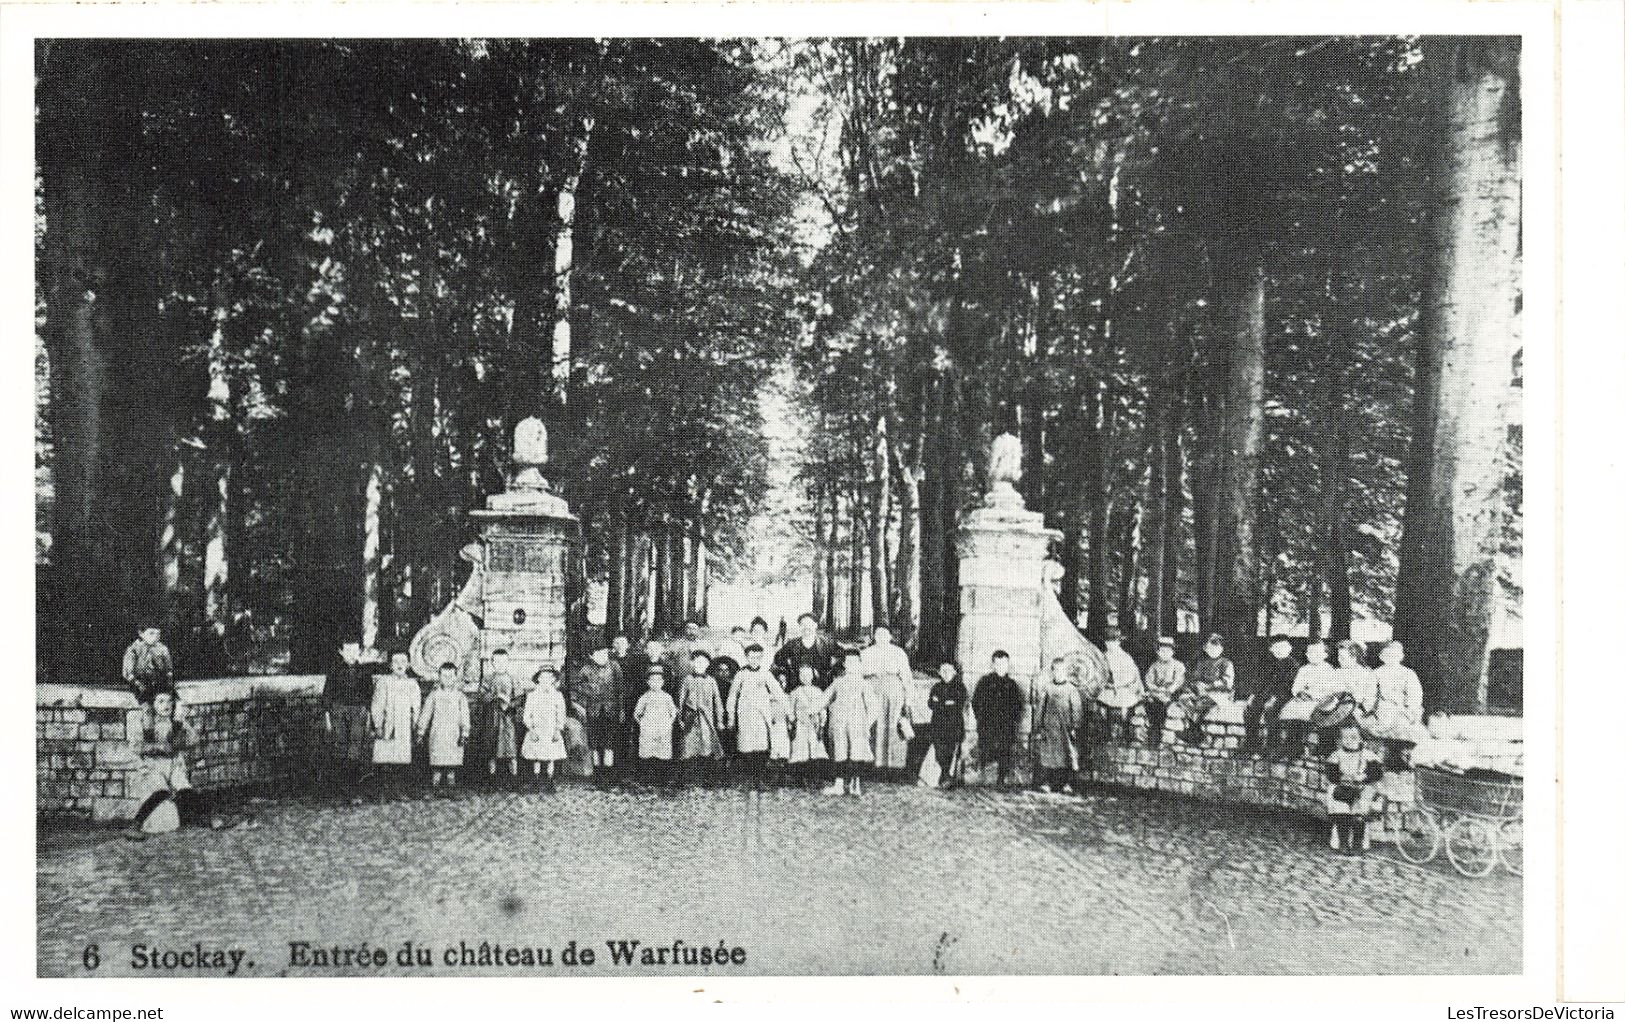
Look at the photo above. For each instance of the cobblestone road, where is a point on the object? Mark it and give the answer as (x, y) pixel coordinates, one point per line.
(904, 880)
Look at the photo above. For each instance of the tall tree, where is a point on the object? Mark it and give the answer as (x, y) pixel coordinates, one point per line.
(1469, 333)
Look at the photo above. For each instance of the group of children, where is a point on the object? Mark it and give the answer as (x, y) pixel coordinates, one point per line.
(1310, 709)
(814, 712)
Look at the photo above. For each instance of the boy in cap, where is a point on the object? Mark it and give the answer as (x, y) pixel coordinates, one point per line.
(148, 667)
(1164, 682)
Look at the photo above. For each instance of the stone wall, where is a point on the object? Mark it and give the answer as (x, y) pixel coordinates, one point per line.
(249, 731)
(1217, 769)
(1214, 769)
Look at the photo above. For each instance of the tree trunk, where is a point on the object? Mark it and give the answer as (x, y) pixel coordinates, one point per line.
(1236, 510)
(1033, 401)
(563, 269)
(702, 575)
(1207, 461)
(171, 542)
(820, 588)
(644, 599)
(1168, 508)
(1469, 329)
(831, 545)
(1129, 571)
(371, 555)
(952, 473)
(857, 567)
(910, 472)
(85, 615)
(615, 577)
(659, 580)
(677, 588)
(879, 521)
(1098, 505)
(221, 443)
(1334, 524)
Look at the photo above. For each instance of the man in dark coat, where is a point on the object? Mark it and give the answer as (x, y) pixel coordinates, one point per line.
(997, 702)
(1272, 691)
(807, 647)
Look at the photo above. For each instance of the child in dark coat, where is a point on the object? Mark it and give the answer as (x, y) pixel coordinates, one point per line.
(1352, 772)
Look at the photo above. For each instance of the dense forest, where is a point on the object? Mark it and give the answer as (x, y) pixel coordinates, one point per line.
(1251, 304)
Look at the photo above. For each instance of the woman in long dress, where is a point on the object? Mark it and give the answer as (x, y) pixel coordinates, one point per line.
(889, 672)
(396, 703)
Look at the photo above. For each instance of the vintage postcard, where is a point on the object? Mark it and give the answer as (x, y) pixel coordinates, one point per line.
(859, 498)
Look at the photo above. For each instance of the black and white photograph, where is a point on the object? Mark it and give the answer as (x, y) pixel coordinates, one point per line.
(733, 504)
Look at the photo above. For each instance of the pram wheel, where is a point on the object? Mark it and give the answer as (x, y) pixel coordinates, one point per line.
(1472, 847)
(1511, 842)
(1419, 837)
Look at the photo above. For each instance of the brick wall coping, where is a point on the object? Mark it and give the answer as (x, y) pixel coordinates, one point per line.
(196, 692)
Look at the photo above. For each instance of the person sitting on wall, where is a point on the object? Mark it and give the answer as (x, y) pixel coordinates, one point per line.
(160, 784)
(1271, 693)
(1315, 681)
(148, 667)
(1214, 679)
(1164, 681)
(1123, 689)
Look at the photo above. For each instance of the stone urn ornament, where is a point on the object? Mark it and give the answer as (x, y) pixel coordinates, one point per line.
(1003, 473)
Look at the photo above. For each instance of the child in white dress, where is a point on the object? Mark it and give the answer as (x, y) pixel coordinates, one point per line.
(544, 725)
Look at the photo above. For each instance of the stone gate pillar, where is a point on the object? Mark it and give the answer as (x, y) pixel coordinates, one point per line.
(1003, 582)
(517, 598)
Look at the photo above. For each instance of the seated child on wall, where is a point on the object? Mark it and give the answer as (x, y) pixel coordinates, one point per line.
(1352, 772)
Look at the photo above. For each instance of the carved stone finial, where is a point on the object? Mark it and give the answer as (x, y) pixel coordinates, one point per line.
(1003, 472)
(530, 442)
(529, 455)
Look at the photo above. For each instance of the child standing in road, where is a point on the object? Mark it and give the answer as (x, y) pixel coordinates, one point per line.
(544, 725)
(699, 716)
(654, 716)
(446, 725)
(501, 743)
(1352, 772)
(853, 709)
(806, 725)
